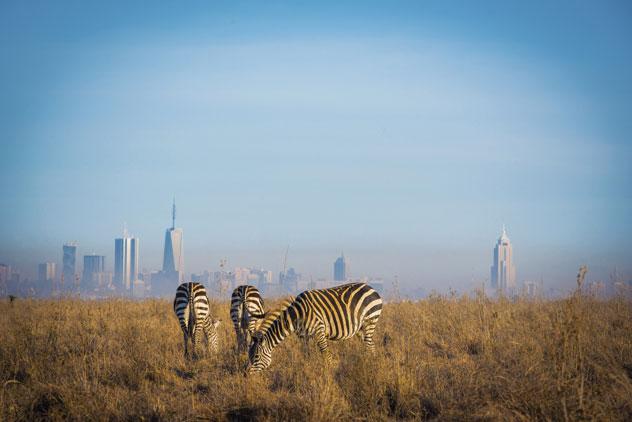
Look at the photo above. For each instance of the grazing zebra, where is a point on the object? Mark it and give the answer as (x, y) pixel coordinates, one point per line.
(246, 309)
(337, 313)
(192, 309)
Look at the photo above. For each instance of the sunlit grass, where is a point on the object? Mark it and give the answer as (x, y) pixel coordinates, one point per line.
(446, 358)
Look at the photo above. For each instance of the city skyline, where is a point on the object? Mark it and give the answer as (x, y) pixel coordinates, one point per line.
(405, 134)
(132, 280)
(502, 249)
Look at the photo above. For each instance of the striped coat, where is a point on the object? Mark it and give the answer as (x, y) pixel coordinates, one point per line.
(246, 310)
(270, 315)
(337, 313)
(191, 306)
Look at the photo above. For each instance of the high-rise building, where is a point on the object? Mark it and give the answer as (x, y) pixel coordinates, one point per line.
(5, 277)
(93, 269)
(289, 280)
(46, 272)
(126, 262)
(46, 278)
(503, 272)
(340, 268)
(69, 263)
(531, 289)
(166, 281)
(173, 259)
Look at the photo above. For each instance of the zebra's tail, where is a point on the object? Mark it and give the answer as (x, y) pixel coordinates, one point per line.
(191, 326)
(243, 322)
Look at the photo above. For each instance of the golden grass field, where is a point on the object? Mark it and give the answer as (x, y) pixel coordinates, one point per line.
(443, 358)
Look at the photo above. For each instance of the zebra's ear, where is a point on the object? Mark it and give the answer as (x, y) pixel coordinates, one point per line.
(216, 322)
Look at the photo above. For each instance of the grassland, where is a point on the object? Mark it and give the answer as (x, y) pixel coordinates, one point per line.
(444, 358)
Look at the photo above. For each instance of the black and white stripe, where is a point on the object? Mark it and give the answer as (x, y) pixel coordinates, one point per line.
(337, 313)
(270, 315)
(191, 306)
(246, 310)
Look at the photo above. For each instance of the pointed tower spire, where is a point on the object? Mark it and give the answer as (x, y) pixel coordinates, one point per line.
(173, 214)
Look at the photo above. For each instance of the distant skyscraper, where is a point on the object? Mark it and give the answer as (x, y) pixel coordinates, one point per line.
(172, 264)
(69, 263)
(126, 262)
(93, 268)
(46, 271)
(289, 280)
(531, 289)
(503, 272)
(340, 268)
(5, 277)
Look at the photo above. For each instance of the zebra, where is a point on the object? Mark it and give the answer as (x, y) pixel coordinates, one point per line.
(191, 306)
(337, 313)
(246, 310)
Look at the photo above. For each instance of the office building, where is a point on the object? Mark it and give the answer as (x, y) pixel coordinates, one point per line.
(93, 269)
(126, 262)
(340, 268)
(173, 259)
(503, 272)
(69, 263)
(46, 272)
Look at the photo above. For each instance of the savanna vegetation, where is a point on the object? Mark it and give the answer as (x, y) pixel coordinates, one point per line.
(443, 358)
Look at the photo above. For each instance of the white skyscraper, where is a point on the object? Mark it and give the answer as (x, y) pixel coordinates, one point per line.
(173, 260)
(126, 262)
(503, 272)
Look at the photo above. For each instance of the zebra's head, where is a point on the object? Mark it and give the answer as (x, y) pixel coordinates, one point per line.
(259, 353)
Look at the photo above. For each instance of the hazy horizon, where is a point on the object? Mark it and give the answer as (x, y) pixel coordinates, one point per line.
(404, 135)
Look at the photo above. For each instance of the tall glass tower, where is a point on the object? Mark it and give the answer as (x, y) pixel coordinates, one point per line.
(340, 268)
(69, 262)
(503, 272)
(173, 259)
(126, 262)
(93, 265)
(46, 271)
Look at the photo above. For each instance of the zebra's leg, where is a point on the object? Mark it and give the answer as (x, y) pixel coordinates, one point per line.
(245, 339)
(210, 331)
(186, 344)
(321, 340)
(207, 334)
(197, 339)
(368, 328)
(238, 337)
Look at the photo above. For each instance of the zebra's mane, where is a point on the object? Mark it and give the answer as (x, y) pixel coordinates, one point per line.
(270, 316)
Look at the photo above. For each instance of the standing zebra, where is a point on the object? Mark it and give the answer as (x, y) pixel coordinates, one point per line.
(246, 310)
(192, 309)
(337, 313)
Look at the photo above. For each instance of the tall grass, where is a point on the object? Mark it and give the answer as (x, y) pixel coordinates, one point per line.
(441, 358)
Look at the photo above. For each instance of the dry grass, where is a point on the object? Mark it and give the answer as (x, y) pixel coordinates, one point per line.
(443, 358)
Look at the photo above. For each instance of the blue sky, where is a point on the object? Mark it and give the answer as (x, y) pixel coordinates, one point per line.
(404, 133)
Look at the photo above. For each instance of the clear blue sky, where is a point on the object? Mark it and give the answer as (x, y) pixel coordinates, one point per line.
(405, 133)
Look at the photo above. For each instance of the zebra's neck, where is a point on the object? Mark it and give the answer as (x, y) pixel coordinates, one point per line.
(282, 327)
